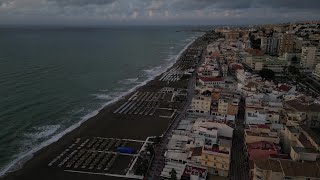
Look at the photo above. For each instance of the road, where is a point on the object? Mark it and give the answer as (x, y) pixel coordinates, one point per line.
(158, 162)
(239, 166)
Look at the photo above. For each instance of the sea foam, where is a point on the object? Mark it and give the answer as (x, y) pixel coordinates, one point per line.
(151, 74)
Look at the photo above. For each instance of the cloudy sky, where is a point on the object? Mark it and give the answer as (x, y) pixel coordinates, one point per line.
(156, 12)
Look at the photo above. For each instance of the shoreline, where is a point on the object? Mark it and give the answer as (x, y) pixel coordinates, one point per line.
(31, 155)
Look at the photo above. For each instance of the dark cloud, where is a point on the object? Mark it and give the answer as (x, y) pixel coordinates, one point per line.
(289, 4)
(3, 2)
(246, 4)
(158, 11)
(201, 4)
(82, 2)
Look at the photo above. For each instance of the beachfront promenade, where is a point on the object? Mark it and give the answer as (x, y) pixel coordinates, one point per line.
(158, 162)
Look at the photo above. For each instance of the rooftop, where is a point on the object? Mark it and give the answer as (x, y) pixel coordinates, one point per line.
(314, 136)
(302, 169)
(262, 126)
(292, 129)
(194, 170)
(262, 149)
(261, 134)
(209, 79)
(290, 168)
(197, 151)
(304, 141)
(303, 104)
(283, 88)
(268, 164)
(279, 156)
(304, 150)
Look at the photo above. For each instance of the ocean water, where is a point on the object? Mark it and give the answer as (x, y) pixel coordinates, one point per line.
(51, 80)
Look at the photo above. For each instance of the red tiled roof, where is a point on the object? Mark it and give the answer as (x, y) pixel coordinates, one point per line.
(197, 151)
(263, 126)
(192, 170)
(236, 67)
(251, 84)
(261, 149)
(283, 87)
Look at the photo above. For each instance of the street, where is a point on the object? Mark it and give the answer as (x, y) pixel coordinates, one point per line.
(239, 167)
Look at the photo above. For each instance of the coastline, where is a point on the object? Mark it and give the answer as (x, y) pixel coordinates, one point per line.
(21, 160)
(81, 128)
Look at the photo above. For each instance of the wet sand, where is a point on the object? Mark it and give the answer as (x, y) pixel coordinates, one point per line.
(104, 124)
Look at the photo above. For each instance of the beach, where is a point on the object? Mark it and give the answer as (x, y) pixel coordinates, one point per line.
(105, 124)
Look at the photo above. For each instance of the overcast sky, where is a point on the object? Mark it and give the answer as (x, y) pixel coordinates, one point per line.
(156, 12)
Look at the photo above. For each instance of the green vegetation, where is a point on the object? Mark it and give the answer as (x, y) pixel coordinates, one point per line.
(142, 166)
(173, 174)
(267, 74)
(255, 43)
(294, 59)
(293, 71)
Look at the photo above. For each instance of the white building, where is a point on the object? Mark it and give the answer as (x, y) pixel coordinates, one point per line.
(310, 57)
(221, 128)
(212, 81)
(316, 72)
(242, 75)
(200, 104)
(255, 117)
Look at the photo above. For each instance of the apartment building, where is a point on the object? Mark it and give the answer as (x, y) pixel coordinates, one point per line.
(217, 158)
(270, 45)
(286, 43)
(200, 104)
(257, 133)
(310, 57)
(212, 81)
(316, 72)
(307, 109)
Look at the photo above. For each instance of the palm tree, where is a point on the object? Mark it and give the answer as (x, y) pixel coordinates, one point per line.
(173, 174)
(284, 72)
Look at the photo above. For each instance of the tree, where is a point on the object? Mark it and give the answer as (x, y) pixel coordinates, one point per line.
(284, 73)
(284, 70)
(267, 74)
(255, 43)
(293, 70)
(294, 59)
(149, 148)
(173, 174)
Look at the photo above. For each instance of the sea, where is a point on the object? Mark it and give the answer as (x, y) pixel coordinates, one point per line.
(54, 78)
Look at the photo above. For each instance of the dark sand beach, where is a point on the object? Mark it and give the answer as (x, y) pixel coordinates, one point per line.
(104, 124)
